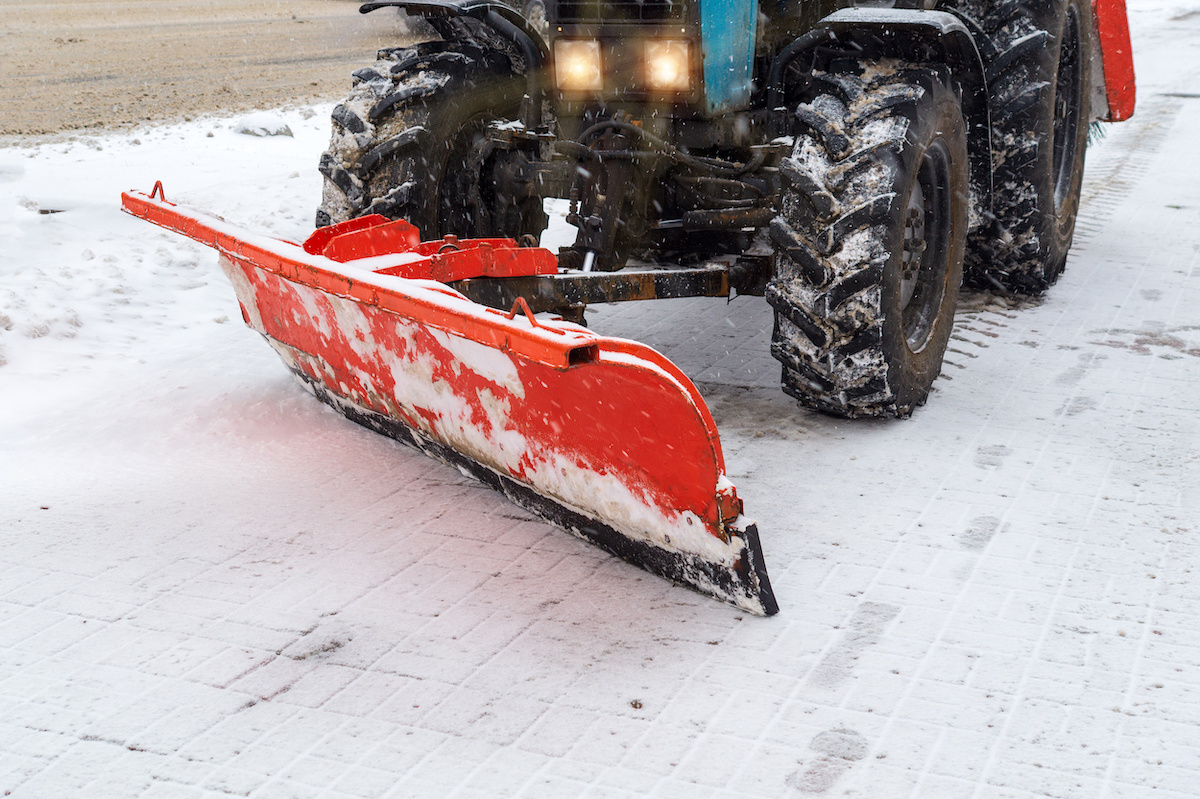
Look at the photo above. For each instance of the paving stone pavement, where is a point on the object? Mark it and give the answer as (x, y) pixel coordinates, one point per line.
(252, 597)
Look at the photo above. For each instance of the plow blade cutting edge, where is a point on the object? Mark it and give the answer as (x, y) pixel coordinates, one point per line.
(603, 437)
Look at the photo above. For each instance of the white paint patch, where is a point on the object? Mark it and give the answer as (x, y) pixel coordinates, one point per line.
(245, 291)
(316, 316)
(485, 361)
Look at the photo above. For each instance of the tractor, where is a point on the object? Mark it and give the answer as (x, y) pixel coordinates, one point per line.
(855, 164)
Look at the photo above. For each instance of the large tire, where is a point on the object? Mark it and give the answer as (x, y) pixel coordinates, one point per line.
(869, 240)
(410, 143)
(1038, 77)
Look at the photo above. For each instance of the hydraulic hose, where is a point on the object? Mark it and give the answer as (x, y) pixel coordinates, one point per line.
(775, 85)
(694, 161)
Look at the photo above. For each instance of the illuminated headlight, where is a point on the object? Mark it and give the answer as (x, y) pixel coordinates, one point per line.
(577, 65)
(668, 67)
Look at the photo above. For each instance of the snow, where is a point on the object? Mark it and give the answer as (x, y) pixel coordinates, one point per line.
(263, 123)
(211, 584)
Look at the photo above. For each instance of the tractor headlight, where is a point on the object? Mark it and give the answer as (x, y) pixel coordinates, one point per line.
(577, 65)
(668, 66)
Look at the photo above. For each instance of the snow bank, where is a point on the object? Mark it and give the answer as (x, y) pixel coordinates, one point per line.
(262, 123)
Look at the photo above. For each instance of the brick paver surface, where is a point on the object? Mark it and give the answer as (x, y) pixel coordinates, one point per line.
(210, 585)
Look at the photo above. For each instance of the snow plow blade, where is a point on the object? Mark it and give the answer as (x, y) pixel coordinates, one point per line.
(602, 437)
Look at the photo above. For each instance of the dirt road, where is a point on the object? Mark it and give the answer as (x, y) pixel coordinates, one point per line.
(79, 64)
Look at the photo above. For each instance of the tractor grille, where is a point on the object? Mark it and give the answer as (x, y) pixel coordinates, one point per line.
(618, 10)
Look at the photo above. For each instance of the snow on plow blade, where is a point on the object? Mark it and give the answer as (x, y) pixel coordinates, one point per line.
(602, 437)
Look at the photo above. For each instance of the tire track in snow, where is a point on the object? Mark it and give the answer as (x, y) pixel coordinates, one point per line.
(1116, 170)
(1120, 165)
(980, 318)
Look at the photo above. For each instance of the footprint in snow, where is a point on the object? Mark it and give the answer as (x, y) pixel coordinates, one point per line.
(838, 750)
(991, 456)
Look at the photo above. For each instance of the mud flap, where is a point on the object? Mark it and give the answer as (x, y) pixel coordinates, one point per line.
(602, 437)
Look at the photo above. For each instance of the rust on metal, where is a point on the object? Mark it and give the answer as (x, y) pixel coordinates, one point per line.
(552, 292)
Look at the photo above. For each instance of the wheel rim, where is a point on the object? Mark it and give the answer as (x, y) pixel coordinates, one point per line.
(926, 246)
(1068, 103)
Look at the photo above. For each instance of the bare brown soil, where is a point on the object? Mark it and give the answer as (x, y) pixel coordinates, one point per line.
(82, 64)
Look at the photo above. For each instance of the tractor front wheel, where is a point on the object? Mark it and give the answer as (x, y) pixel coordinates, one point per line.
(869, 240)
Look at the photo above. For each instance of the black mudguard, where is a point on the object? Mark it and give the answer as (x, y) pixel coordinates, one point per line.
(504, 20)
(476, 9)
(921, 37)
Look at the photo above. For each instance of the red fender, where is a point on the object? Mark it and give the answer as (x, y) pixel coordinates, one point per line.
(1116, 50)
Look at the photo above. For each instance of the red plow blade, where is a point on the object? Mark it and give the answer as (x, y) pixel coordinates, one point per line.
(602, 437)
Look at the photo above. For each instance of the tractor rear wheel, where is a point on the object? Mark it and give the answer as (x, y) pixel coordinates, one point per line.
(1038, 75)
(869, 240)
(411, 142)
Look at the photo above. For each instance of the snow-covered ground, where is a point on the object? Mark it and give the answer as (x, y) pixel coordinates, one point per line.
(211, 584)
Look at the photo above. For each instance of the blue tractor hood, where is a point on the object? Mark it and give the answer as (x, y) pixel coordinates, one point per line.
(727, 33)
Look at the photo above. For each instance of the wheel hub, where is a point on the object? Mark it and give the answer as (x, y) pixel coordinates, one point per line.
(914, 245)
(925, 246)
